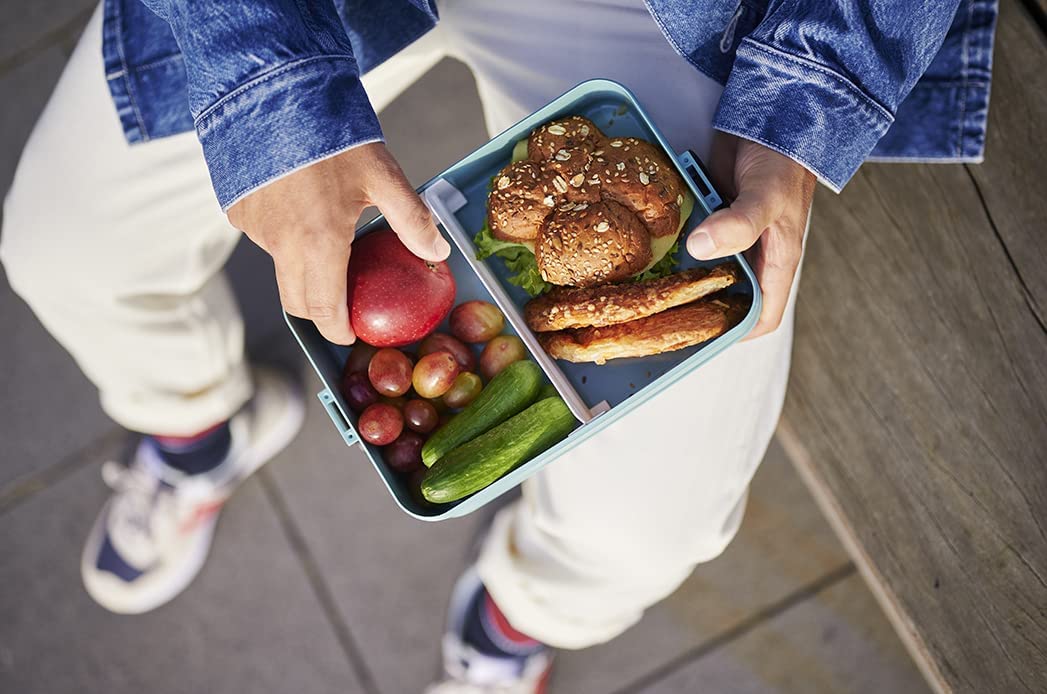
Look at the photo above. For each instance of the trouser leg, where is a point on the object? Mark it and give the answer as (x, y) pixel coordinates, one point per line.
(119, 250)
(618, 523)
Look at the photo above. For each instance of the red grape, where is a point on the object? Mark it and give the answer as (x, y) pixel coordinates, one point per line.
(443, 342)
(359, 357)
(405, 453)
(464, 390)
(390, 372)
(380, 424)
(499, 353)
(476, 321)
(420, 415)
(358, 391)
(434, 374)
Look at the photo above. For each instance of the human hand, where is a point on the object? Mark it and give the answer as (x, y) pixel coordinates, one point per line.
(771, 196)
(306, 221)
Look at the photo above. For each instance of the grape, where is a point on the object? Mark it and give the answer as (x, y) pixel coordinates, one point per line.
(434, 374)
(390, 372)
(420, 415)
(476, 321)
(464, 390)
(359, 358)
(358, 391)
(380, 424)
(499, 353)
(442, 341)
(405, 453)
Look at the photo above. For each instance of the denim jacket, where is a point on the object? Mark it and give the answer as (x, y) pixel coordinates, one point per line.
(273, 85)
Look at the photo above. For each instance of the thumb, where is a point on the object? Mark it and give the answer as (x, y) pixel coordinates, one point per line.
(409, 217)
(736, 228)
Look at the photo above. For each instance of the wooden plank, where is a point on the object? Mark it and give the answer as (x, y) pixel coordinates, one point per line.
(918, 403)
(797, 450)
(1013, 179)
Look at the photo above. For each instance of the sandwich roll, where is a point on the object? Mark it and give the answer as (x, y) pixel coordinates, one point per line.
(585, 244)
(573, 174)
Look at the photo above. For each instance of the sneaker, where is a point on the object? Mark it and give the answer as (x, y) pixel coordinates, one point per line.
(153, 535)
(467, 671)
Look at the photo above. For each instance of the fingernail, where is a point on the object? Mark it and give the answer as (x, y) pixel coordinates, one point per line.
(441, 248)
(700, 245)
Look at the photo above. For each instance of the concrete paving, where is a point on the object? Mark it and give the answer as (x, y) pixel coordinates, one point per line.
(317, 583)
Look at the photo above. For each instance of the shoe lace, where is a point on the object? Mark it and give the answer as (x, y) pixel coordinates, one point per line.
(135, 501)
(460, 680)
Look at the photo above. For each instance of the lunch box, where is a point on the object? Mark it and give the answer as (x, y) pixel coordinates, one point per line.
(596, 394)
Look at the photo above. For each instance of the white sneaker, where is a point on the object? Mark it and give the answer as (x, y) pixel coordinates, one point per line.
(467, 671)
(153, 535)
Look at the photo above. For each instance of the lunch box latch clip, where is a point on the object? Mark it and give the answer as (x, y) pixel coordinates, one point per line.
(346, 431)
(696, 171)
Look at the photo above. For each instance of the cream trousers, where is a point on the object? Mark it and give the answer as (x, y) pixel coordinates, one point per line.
(119, 251)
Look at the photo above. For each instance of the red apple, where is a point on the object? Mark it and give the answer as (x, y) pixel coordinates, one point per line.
(395, 298)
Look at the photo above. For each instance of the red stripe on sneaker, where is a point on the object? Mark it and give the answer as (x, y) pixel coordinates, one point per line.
(498, 620)
(543, 683)
(179, 441)
(200, 514)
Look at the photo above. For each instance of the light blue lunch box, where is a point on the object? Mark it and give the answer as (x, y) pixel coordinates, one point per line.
(597, 395)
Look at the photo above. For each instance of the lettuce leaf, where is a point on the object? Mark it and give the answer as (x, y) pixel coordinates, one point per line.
(517, 258)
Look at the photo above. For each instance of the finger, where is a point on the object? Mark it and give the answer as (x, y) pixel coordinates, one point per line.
(775, 261)
(410, 218)
(324, 277)
(736, 228)
(290, 283)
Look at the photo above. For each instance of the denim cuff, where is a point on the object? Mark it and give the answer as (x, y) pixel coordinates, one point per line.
(285, 119)
(803, 110)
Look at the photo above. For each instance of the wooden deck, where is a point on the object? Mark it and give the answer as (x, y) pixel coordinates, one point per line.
(917, 411)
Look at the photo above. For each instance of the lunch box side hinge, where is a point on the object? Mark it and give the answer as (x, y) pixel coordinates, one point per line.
(346, 431)
(696, 171)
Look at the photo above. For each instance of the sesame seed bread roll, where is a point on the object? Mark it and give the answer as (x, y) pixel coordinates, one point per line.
(584, 245)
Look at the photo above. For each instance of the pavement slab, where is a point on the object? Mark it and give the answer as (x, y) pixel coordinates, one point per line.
(249, 623)
(836, 641)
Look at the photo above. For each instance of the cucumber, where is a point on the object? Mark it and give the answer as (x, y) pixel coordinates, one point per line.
(547, 391)
(474, 465)
(513, 389)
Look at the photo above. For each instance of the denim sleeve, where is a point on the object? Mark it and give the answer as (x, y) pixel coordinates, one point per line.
(821, 81)
(273, 86)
